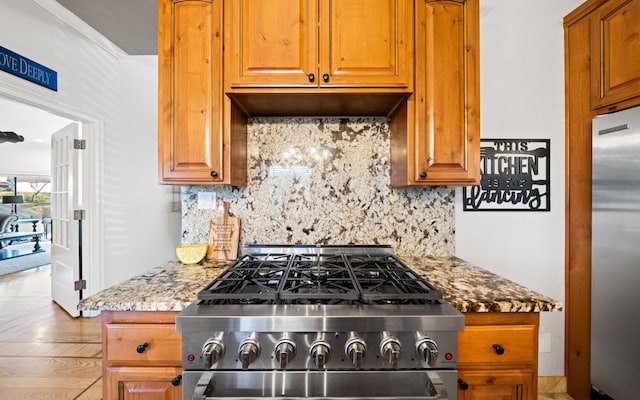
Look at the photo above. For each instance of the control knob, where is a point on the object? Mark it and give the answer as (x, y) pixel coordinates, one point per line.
(427, 350)
(390, 349)
(355, 348)
(284, 351)
(248, 352)
(320, 352)
(212, 352)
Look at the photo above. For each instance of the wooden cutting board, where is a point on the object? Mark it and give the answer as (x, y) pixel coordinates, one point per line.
(224, 233)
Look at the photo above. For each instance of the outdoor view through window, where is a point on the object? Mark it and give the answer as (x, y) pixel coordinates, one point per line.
(29, 198)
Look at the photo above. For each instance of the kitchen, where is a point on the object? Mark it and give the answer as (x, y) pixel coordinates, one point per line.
(478, 238)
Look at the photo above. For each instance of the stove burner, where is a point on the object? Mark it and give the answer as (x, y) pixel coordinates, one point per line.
(250, 279)
(386, 278)
(319, 278)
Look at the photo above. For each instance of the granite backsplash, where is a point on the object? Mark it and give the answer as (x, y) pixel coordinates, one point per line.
(326, 181)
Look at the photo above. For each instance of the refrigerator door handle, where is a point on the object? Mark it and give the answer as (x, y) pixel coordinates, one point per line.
(613, 129)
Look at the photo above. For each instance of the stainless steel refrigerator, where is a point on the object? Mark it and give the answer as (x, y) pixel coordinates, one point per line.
(615, 267)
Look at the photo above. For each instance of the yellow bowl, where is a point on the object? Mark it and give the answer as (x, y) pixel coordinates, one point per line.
(191, 253)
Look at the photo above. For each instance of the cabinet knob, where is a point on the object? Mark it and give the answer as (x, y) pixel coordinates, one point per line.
(176, 380)
(142, 347)
(499, 349)
(312, 77)
(325, 77)
(214, 174)
(423, 174)
(463, 385)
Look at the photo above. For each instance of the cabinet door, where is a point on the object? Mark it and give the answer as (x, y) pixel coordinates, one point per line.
(190, 91)
(271, 43)
(447, 138)
(366, 43)
(615, 66)
(131, 383)
(495, 385)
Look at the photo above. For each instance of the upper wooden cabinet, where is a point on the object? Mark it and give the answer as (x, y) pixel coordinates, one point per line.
(615, 52)
(194, 141)
(322, 58)
(444, 147)
(318, 43)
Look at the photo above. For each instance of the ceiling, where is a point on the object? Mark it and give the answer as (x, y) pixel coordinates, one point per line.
(132, 25)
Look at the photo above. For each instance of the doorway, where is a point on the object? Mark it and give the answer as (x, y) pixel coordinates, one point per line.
(89, 170)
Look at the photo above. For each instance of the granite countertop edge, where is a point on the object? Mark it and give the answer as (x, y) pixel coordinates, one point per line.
(468, 288)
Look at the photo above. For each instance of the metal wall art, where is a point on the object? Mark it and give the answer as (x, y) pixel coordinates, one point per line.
(514, 176)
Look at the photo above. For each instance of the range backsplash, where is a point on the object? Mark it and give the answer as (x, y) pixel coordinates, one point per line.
(326, 181)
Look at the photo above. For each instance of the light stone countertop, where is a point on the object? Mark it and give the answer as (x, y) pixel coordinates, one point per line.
(173, 286)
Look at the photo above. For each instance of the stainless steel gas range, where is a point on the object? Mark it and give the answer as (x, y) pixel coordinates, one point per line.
(331, 322)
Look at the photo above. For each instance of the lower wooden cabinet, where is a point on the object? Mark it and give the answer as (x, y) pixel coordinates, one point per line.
(143, 383)
(141, 356)
(495, 385)
(498, 357)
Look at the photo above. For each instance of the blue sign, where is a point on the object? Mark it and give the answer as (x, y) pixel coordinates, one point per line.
(24, 68)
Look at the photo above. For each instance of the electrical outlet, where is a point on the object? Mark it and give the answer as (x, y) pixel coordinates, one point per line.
(206, 200)
(544, 343)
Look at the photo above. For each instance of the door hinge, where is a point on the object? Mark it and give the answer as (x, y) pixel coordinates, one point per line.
(80, 285)
(79, 215)
(79, 144)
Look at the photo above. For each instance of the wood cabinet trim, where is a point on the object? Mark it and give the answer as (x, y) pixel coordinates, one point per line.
(579, 112)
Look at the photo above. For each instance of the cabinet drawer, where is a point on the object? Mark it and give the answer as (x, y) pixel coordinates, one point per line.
(163, 343)
(482, 344)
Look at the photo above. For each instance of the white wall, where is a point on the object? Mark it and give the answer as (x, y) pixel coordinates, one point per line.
(141, 229)
(522, 96)
(121, 92)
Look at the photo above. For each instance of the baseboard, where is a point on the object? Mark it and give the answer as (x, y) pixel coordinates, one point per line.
(596, 395)
(90, 313)
(552, 384)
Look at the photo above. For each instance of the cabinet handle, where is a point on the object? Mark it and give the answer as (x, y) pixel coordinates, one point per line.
(214, 174)
(142, 347)
(463, 385)
(176, 380)
(499, 349)
(312, 77)
(325, 77)
(423, 174)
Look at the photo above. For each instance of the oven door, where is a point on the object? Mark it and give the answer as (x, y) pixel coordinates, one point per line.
(339, 385)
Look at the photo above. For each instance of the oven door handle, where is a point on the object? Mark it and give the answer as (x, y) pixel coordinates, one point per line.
(204, 386)
(438, 385)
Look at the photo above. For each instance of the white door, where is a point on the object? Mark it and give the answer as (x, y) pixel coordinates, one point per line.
(66, 196)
